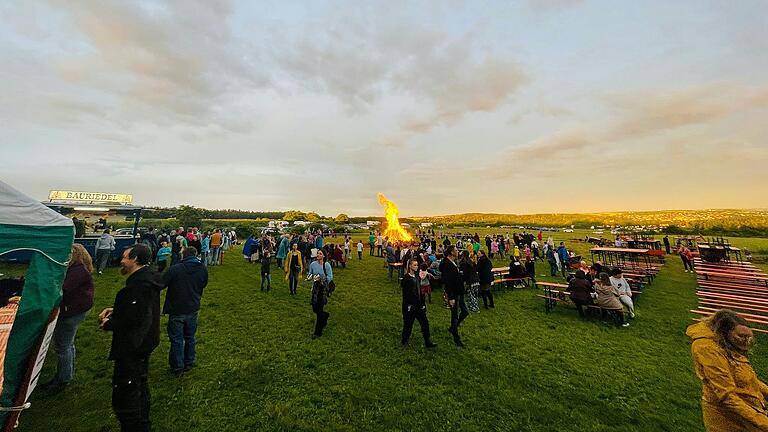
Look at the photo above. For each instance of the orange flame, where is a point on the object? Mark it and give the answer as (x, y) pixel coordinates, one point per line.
(393, 231)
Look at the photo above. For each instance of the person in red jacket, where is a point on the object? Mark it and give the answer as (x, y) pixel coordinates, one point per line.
(75, 305)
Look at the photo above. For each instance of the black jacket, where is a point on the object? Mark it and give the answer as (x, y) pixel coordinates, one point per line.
(185, 282)
(135, 319)
(411, 292)
(452, 282)
(485, 270)
(469, 271)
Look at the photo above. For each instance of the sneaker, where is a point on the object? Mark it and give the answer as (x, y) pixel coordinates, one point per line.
(430, 344)
(625, 325)
(632, 315)
(99, 271)
(188, 368)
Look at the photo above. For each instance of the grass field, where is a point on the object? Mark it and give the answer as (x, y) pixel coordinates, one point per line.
(521, 370)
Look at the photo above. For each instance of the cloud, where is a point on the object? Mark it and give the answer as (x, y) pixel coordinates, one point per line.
(646, 112)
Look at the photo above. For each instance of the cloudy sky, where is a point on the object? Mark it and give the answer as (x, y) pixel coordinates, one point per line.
(444, 106)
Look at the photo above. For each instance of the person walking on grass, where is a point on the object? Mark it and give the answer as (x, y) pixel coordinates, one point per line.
(294, 267)
(454, 290)
(565, 258)
(76, 302)
(185, 281)
(266, 276)
(104, 247)
(733, 397)
(414, 307)
(321, 274)
(687, 257)
(359, 250)
(134, 321)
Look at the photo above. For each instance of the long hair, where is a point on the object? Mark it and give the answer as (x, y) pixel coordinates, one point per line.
(722, 323)
(80, 255)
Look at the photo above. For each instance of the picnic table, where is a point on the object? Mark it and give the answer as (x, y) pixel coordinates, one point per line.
(499, 276)
(755, 278)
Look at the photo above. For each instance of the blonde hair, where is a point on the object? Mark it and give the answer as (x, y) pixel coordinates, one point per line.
(80, 255)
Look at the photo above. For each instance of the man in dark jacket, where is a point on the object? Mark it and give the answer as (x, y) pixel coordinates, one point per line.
(134, 321)
(454, 289)
(185, 282)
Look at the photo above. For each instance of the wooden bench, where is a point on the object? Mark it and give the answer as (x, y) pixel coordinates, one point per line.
(525, 280)
(552, 297)
(752, 318)
(731, 285)
(753, 279)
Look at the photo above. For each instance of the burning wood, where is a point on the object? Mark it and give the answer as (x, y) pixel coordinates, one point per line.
(393, 231)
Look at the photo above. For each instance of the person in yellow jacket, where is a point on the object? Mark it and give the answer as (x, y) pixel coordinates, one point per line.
(733, 397)
(294, 267)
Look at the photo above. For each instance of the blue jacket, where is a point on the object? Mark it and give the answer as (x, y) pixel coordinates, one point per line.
(562, 252)
(185, 282)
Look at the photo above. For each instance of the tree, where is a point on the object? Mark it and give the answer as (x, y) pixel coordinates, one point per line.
(313, 217)
(342, 218)
(294, 215)
(188, 216)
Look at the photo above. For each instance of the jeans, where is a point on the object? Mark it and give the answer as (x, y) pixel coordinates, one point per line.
(161, 265)
(359, 255)
(205, 257)
(456, 316)
(552, 268)
(266, 279)
(181, 332)
(64, 344)
(687, 264)
(371, 253)
(130, 394)
(293, 281)
(216, 252)
(102, 258)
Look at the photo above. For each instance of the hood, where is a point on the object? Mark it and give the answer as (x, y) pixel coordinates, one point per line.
(105, 236)
(191, 264)
(700, 330)
(145, 276)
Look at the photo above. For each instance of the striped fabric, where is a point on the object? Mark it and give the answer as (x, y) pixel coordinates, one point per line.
(7, 316)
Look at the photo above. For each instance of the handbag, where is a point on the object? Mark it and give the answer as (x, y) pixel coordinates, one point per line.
(330, 283)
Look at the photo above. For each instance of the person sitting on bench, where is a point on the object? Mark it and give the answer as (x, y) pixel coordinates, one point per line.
(581, 291)
(516, 271)
(625, 292)
(608, 298)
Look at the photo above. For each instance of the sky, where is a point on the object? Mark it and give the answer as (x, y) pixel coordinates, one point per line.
(522, 107)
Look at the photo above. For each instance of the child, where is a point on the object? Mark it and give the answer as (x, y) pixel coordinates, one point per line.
(424, 283)
(162, 256)
(359, 250)
(265, 276)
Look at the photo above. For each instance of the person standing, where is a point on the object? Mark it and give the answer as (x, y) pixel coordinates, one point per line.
(104, 247)
(565, 258)
(454, 289)
(321, 274)
(485, 272)
(76, 302)
(359, 250)
(216, 241)
(282, 250)
(687, 257)
(185, 281)
(294, 267)
(666, 244)
(733, 397)
(371, 242)
(134, 321)
(163, 254)
(414, 307)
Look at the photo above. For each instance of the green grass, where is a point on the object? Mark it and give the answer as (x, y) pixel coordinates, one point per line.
(522, 369)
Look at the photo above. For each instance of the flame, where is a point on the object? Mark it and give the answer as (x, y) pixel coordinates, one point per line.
(393, 231)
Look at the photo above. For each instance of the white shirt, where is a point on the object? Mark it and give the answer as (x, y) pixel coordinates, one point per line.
(359, 246)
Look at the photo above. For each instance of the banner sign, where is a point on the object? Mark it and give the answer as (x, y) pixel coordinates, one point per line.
(99, 197)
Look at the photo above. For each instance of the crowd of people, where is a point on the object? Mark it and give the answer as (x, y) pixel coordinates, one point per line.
(457, 262)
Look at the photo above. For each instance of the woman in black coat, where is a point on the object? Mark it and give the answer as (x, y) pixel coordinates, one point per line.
(485, 272)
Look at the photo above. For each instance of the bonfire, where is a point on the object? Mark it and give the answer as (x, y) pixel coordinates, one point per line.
(393, 230)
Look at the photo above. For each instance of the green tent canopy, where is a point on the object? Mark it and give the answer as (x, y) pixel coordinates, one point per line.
(27, 225)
